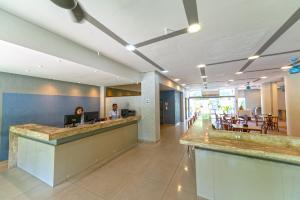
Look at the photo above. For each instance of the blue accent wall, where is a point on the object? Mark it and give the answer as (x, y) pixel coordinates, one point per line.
(41, 109)
(172, 114)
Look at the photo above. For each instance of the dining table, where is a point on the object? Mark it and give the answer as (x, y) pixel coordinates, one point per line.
(241, 127)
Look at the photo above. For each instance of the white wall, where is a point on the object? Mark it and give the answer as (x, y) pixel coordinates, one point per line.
(281, 100)
(130, 102)
(252, 98)
(292, 96)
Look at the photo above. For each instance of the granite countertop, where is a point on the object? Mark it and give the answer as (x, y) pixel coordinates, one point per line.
(270, 147)
(47, 133)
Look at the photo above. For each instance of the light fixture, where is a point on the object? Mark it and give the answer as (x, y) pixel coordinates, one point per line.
(238, 73)
(183, 84)
(95, 70)
(194, 28)
(231, 80)
(164, 71)
(203, 76)
(253, 57)
(176, 79)
(28, 70)
(179, 188)
(186, 168)
(205, 82)
(263, 77)
(130, 47)
(40, 66)
(201, 66)
(78, 82)
(286, 67)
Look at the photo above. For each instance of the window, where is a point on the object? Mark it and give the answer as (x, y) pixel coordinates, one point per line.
(226, 92)
(195, 93)
(242, 103)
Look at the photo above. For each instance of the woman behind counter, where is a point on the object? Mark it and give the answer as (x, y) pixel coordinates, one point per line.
(79, 111)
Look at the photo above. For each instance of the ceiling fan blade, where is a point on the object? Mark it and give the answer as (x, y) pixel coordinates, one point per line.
(66, 4)
(78, 13)
(190, 7)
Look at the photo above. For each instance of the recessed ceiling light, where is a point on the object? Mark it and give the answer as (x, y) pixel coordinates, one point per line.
(263, 77)
(231, 80)
(183, 84)
(164, 71)
(40, 66)
(194, 28)
(176, 79)
(239, 73)
(95, 70)
(78, 82)
(203, 76)
(253, 57)
(286, 67)
(201, 66)
(130, 47)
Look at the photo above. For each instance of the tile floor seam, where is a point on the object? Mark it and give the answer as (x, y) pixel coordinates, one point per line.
(172, 178)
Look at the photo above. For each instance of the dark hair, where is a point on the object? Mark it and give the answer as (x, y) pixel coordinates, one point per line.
(114, 104)
(78, 108)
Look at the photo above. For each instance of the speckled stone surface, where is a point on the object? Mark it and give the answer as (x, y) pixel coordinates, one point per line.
(271, 147)
(48, 133)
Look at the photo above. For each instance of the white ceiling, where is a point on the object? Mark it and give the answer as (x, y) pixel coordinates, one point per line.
(19, 60)
(231, 29)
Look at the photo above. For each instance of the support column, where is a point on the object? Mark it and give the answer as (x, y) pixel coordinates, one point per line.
(269, 98)
(150, 123)
(102, 101)
(292, 97)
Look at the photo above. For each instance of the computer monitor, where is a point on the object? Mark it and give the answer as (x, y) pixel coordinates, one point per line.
(91, 116)
(72, 119)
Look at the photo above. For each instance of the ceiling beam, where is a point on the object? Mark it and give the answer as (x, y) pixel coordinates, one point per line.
(262, 56)
(190, 7)
(160, 38)
(290, 22)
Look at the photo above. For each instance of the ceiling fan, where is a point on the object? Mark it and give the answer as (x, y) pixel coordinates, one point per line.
(74, 7)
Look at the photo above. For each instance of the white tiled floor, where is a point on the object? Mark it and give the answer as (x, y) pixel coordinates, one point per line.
(149, 171)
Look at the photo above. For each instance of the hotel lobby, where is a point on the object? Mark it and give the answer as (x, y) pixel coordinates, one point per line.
(158, 100)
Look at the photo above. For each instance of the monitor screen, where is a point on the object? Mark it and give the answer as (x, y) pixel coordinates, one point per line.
(91, 116)
(72, 119)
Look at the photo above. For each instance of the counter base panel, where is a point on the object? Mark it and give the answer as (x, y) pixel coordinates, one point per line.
(221, 176)
(55, 164)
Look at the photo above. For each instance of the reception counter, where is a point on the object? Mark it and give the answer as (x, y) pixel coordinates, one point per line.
(55, 154)
(242, 166)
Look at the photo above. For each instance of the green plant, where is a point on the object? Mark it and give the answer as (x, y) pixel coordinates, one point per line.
(226, 109)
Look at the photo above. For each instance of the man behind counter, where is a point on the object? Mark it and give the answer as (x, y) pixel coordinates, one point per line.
(114, 113)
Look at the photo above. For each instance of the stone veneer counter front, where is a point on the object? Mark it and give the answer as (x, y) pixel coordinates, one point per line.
(55, 154)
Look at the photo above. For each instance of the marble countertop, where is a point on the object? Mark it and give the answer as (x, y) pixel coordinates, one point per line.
(271, 147)
(47, 133)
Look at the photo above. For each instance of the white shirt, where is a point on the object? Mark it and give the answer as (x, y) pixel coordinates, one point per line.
(114, 114)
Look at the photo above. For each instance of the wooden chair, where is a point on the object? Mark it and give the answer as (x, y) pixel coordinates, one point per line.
(225, 126)
(264, 128)
(275, 123)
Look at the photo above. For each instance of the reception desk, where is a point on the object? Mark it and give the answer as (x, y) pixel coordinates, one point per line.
(55, 154)
(244, 166)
